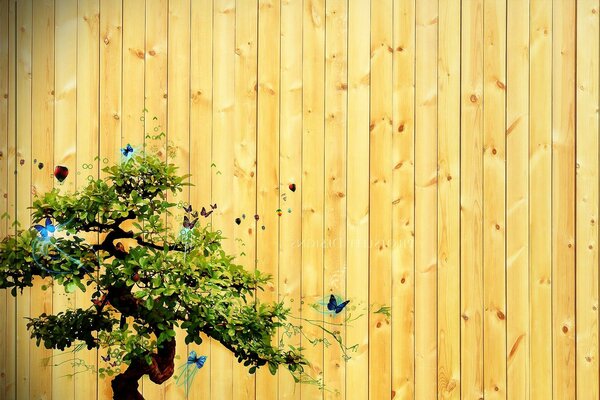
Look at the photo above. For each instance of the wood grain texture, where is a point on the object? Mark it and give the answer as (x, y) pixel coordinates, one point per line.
(446, 162)
(586, 278)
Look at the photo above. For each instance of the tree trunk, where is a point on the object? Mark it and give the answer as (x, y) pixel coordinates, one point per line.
(125, 385)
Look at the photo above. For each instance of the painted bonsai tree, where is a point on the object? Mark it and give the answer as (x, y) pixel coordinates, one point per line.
(111, 238)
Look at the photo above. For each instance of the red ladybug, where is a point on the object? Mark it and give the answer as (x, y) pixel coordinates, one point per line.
(292, 187)
(61, 173)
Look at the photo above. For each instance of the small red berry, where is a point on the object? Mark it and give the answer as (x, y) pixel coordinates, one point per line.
(136, 277)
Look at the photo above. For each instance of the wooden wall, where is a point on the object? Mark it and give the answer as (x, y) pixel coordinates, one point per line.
(446, 157)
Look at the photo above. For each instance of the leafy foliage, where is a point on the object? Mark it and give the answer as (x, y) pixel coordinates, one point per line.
(146, 277)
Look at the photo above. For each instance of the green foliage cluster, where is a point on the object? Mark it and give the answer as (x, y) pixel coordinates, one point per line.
(146, 277)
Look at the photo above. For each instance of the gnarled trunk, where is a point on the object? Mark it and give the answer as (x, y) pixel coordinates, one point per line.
(125, 385)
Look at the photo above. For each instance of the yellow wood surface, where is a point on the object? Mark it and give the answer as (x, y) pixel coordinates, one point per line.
(586, 257)
(425, 192)
(471, 198)
(446, 162)
(357, 196)
(290, 171)
(518, 340)
(494, 225)
(449, 178)
(42, 130)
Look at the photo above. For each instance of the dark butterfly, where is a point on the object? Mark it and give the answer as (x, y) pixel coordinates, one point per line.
(127, 150)
(214, 207)
(194, 359)
(188, 209)
(61, 173)
(205, 213)
(45, 230)
(187, 224)
(106, 359)
(334, 306)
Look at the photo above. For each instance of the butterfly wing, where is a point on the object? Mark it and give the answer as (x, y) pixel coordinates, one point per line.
(49, 227)
(340, 307)
(186, 222)
(200, 362)
(203, 212)
(332, 305)
(192, 357)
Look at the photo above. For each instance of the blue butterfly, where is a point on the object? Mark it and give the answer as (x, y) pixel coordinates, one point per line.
(334, 306)
(194, 359)
(126, 151)
(46, 230)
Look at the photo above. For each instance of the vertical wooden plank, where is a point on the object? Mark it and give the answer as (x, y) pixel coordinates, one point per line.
(313, 159)
(65, 154)
(244, 189)
(426, 200)
(178, 137)
(11, 371)
(155, 86)
(494, 226)
(42, 130)
(471, 200)
(403, 197)
(267, 167)
(223, 151)
(290, 164)
(357, 222)
(540, 191)
(5, 325)
(380, 199)
(134, 48)
(334, 257)
(201, 114)
(111, 43)
(24, 164)
(449, 200)
(563, 200)
(88, 81)
(587, 200)
(517, 201)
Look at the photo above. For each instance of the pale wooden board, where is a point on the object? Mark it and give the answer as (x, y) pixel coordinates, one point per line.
(267, 170)
(155, 88)
(111, 40)
(201, 47)
(65, 154)
(290, 164)
(494, 225)
(23, 100)
(403, 200)
(518, 338)
(244, 158)
(334, 257)
(380, 199)
(133, 90)
(312, 190)
(449, 200)
(42, 130)
(588, 36)
(88, 90)
(224, 15)
(10, 389)
(563, 200)
(471, 200)
(5, 178)
(178, 138)
(357, 221)
(425, 193)
(540, 191)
